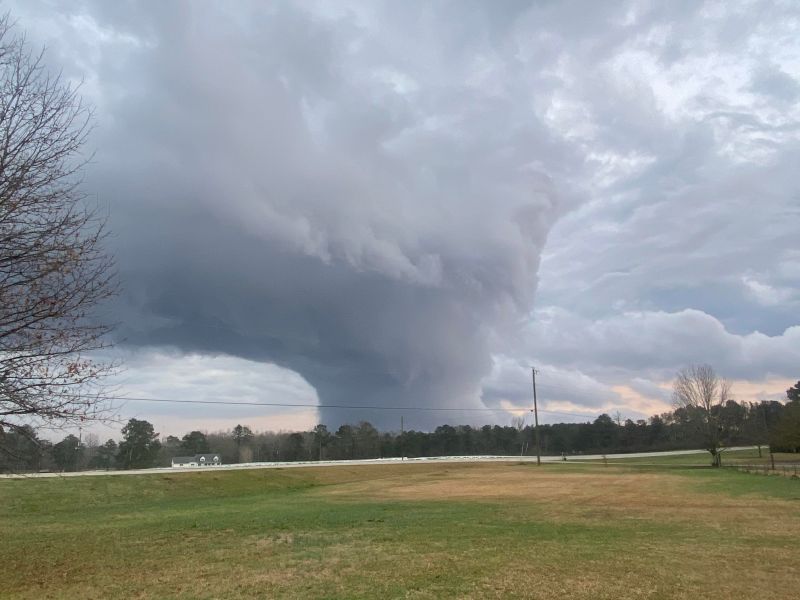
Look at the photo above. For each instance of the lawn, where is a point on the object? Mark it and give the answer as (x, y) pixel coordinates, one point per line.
(493, 530)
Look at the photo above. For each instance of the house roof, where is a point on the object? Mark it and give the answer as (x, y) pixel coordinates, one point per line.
(206, 456)
(183, 459)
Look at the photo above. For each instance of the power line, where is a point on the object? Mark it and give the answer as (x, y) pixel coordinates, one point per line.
(342, 406)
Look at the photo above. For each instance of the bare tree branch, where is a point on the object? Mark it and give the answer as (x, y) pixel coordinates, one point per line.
(54, 270)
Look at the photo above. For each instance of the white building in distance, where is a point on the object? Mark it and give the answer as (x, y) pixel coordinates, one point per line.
(198, 460)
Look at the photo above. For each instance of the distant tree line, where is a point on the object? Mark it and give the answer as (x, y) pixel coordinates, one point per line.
(770, 424)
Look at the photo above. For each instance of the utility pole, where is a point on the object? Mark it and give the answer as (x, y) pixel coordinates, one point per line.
(401, 439)
(536, 420)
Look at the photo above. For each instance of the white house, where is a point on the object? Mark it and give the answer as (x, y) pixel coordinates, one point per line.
(198, 460)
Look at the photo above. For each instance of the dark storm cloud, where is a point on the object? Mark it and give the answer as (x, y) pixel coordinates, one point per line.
(361, 193)
(301, 187)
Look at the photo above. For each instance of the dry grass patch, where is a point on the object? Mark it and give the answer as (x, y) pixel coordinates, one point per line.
(603, 493)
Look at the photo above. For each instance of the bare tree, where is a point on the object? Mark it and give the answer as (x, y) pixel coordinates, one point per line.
(518, 423)
(53, 269)
(702, 393)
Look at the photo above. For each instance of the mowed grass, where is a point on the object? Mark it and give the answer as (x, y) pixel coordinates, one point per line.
(492, 530)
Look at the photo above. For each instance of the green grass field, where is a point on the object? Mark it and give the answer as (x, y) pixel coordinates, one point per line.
(496, 530)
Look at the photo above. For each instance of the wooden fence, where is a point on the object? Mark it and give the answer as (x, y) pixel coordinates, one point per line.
(786, 470)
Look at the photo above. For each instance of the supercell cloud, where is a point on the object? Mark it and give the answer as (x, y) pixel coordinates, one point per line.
(362, 194)
(296, 186)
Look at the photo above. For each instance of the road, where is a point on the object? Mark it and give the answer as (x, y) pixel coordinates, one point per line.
(373, 461)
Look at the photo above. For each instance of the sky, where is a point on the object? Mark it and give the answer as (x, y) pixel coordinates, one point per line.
(410, 204)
